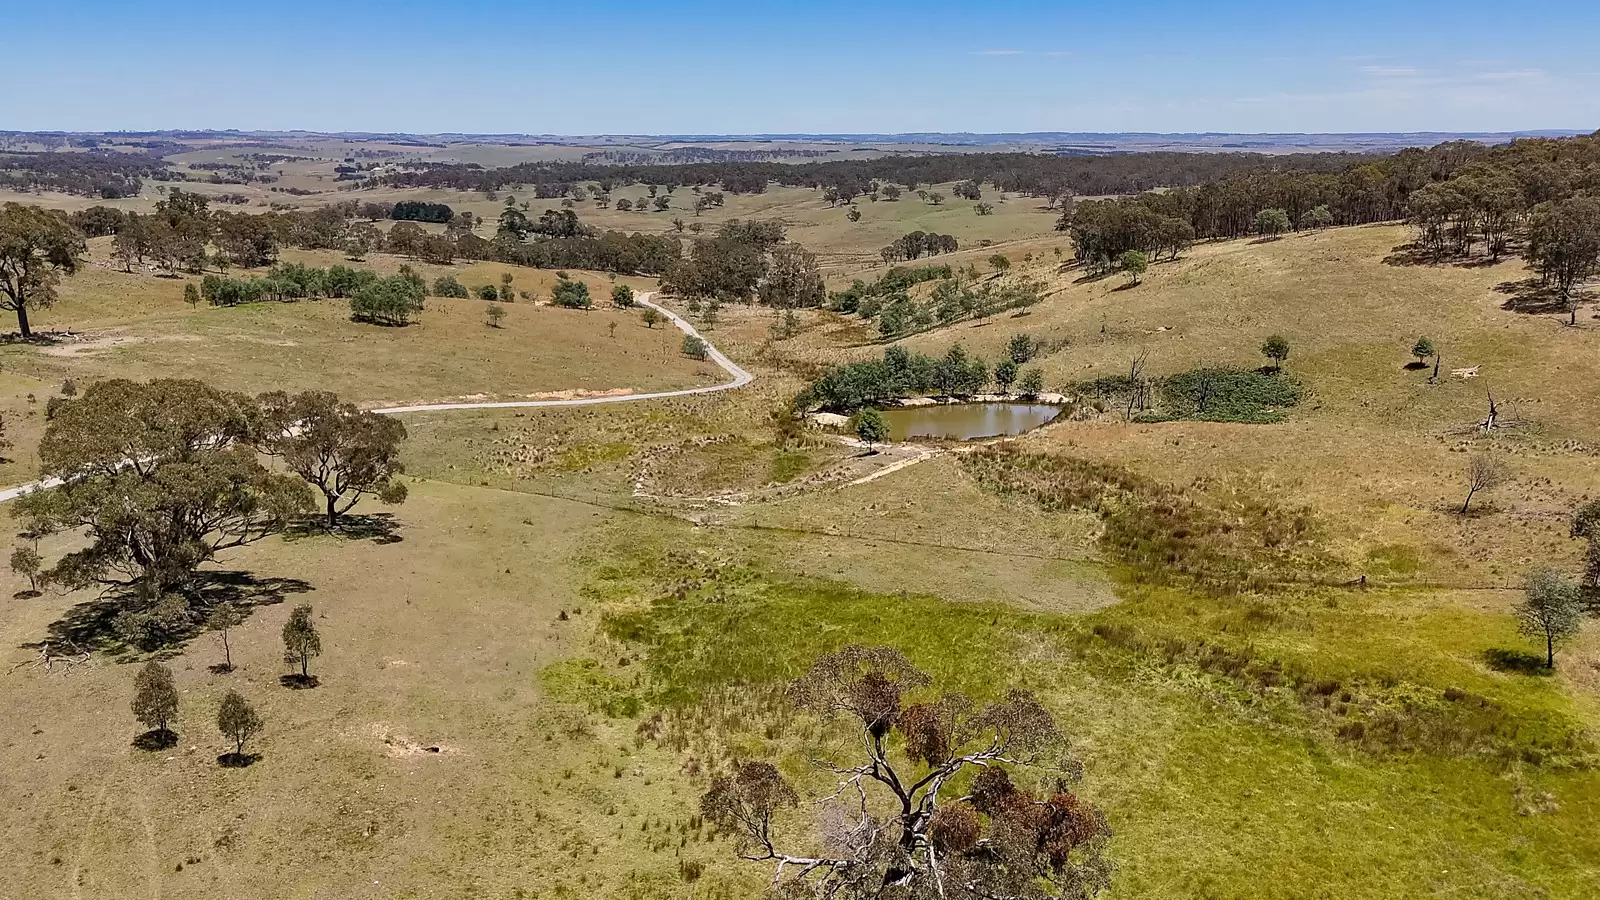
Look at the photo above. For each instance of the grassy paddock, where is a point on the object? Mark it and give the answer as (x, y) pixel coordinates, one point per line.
(1217, 783)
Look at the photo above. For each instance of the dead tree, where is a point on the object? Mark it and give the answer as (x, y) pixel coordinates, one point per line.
(1484, 473)
(892, 829)
(1493, 421)
(48, 659)
(1135, 382)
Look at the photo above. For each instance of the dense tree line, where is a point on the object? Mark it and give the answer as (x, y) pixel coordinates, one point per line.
(747, 261)
(286, 281)
(1545, 191)
(107, 174)
(957, 295)
(1458, 195)
(904, 373)
(1034, 174)
(918, 244)
(184, 234)
(419, 211)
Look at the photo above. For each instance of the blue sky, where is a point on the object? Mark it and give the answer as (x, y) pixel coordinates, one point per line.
(707, 66)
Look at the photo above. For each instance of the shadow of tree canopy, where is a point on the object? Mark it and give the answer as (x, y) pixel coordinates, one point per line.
(170, 622)
(1520, 662)
(1530, 296)
(156, 739)
(238, 760)
(1414, 254)
(380, 528)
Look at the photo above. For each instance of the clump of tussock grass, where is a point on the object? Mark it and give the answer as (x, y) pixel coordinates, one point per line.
(1216, 534)
(1374, 713)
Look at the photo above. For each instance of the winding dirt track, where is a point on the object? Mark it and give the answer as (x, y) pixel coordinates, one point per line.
(740, 379)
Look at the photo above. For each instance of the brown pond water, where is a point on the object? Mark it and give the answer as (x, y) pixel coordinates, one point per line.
(967, 421)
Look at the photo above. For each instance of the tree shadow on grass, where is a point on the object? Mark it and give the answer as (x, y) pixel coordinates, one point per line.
(1415, 366)
(380, 528)
(157, 739)
(1530, 296)
(1519, 662)
(238, 760)
(27, 595)
(298, 682)
(92, 624)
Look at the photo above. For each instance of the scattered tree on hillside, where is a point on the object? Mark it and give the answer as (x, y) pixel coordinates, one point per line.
(935, 198)
(495, 315)
(1272, 222)
(890, 191)
(694, 347)
(1275, 348)
(301, 643)
(901, 834)
(650, 317)
(1551, 611)
(1318, 217)
(1485, 472)
(1133, 263)
(871, 428)
(159, 478)
(27, 562)
(487, 292)
(341, 450)
(1423, 349)
(1021, 348)
(392, 301)
(191, 295)
(1586, 524)
(37, 247)
(1005, 372)
(508, 294)
(999, 263)
(238, 722)
(155, 700)
(854, 214)
(223, 618)
(967, 190)
(622, 296)
(983, 209)
(1564, 245)
(571, 294)
(448, 286)
(1032, 384)
(786, 327)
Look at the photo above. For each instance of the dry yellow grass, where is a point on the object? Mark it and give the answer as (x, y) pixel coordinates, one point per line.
(435, 641)
(137, 326)
(450, 638)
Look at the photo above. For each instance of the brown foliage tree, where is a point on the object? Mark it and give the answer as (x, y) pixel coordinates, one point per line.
(897, 832)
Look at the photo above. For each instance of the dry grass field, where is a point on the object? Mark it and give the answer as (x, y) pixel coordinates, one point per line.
(137, 326)
(1472, 774)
